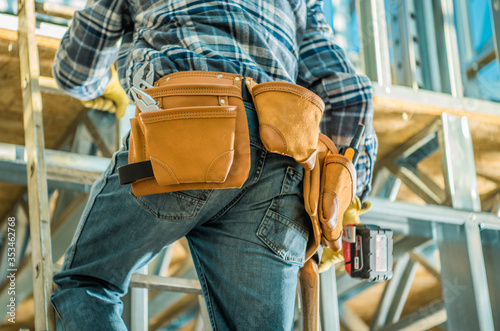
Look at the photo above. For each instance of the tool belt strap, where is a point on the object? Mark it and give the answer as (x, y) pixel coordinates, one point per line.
(135, 171)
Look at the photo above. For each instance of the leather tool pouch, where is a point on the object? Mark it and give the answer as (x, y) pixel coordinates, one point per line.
(289, 117)
(199, 140)
(328, 191)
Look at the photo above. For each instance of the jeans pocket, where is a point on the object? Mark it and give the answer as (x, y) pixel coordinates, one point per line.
(175, 206)
(284, 228)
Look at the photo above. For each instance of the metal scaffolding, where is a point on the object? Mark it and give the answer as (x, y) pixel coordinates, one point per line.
(426, 67)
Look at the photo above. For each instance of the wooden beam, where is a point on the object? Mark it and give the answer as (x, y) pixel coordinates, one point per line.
(37, 179)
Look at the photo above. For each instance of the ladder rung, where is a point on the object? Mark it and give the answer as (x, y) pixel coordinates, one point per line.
(170, 284)
(55, 10)
(152, 282)
(49, 85)
(61, 166)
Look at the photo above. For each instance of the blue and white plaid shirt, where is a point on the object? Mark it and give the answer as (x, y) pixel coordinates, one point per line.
(268, 40)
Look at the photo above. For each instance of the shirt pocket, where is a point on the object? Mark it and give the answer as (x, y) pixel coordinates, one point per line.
(285, 227)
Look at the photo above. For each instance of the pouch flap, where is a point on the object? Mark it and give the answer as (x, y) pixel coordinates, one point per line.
(287, 87)
(337, 191)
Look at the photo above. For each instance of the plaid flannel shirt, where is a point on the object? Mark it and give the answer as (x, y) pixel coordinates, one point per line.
(280, 40)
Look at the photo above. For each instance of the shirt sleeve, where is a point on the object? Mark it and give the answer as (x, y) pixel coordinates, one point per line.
(325, 70)
(89, 48)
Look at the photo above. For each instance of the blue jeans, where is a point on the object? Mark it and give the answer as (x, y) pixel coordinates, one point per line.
(247, 245)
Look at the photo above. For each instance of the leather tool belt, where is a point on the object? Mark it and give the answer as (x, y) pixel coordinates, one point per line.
(200, 140)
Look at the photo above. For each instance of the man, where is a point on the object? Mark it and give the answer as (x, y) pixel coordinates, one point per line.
(247, 244)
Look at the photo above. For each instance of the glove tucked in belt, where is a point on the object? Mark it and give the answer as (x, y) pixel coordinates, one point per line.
(328, 190)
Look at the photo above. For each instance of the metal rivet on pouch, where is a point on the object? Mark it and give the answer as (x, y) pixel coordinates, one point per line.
(236, 78)
(222, 101)
(168, 78)
(219, 76)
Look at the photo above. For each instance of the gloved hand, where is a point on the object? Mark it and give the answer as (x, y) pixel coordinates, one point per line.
(351, 216)
(114, 98)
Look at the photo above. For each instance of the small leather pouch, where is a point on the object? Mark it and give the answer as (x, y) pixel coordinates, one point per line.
(337, 191)
(289, 117)
(199, 140)
(328, 190)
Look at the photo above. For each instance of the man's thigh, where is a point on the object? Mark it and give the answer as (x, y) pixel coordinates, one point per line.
(248, 257)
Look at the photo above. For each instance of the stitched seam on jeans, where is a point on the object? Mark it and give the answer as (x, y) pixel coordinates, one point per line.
(258, 172)
(282, 254)
(170, 218)
(260, 166)
(58, 315)
(228, 206)
(293, 224)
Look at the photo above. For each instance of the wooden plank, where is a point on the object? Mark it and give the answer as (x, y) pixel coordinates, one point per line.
(37, 179)
(60, 111)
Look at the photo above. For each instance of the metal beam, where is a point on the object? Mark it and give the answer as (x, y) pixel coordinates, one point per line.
(430, 58)
(350, 321)
(491, 246)
(452, 52)
(328, 301)
(457, 158)
(419, 183)
(61, 167)
(375, 46)
(423, 319)
(395, 293)
(386, 185)
(402, 214)
(426, 265)
(484, 57)
(37, 180)
(411, 145)
(465, 285)
(401, 98)
(139, 305)
(495, 20)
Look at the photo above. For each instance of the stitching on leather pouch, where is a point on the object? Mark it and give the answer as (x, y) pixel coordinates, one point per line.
(167, 117)
(196, 74)
(224, 110)
(168, 91)
(350, 175)
(305, 94)
(345, 164)
(212, 167)
(144, 146)
(280, 135)
(167, 168)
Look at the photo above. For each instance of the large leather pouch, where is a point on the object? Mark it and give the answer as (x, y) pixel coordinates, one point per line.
(289, 117)
(200, 139)
(190, 144)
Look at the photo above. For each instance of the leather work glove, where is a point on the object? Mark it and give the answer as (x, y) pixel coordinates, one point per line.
(351, 216)
(114, 99)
